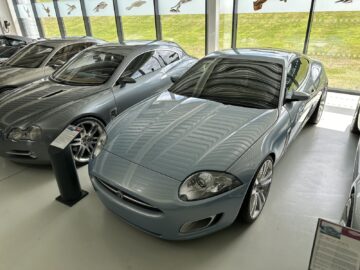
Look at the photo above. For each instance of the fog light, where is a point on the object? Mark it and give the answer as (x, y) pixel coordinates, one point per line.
(200, 224)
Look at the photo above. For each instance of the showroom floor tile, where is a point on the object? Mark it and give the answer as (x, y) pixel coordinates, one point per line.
(311, 181)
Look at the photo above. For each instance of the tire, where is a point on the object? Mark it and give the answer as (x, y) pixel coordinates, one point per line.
(84, 144)
(351, 210)
(354, 125)
(316, 115)
(258, 192)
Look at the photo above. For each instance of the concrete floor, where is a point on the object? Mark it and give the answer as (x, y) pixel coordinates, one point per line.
(311, 181)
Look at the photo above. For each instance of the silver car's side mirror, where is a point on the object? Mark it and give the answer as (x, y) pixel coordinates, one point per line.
(125, 80)
(297, 96)
(57, 64)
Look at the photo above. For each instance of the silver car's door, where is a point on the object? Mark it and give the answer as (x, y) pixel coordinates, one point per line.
(298, 80)
(146, 72)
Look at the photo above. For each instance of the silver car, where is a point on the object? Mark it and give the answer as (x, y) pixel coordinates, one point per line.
(189, 161)
(89, 91)
(39, 60)
(10, 44)
(351, 214)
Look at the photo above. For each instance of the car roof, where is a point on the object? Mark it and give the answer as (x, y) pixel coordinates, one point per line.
(259, 53)
(58, 42)
(26, 39)
(127, 47)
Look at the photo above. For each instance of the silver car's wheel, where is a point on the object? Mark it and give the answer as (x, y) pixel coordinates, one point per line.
(258, 192)
(84, 144)
(316, 116)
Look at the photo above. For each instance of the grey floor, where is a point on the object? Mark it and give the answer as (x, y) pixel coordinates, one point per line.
(311, 181)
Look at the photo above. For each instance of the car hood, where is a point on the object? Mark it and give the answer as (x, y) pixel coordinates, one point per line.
(176, 135)
(16, 76)
(28, 104)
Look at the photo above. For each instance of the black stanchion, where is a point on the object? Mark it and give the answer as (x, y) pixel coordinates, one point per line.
(66, 175)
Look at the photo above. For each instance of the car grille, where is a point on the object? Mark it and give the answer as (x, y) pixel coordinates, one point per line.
(127, 197)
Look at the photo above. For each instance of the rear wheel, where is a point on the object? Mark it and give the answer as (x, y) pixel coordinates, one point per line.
(316, 116)
(84, 144)
(354, 125)
(258, 192)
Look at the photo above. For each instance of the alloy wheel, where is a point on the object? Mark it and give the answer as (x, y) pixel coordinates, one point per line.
(260, 189)
(84, 144)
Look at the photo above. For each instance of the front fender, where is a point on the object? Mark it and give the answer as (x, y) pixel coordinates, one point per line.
(273, 142)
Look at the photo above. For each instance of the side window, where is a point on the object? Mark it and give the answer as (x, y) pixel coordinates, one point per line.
(68, 52)
(297, 73)
(143, 64)
(168, 57)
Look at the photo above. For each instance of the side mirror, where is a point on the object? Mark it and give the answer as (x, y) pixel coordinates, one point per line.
(174, 79)
(57, 64)
(298, 96)
(125, 80)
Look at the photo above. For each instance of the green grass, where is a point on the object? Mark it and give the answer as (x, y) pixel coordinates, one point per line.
(335, 37)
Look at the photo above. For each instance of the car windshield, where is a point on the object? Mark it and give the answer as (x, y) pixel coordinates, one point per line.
(247, 83)
(30, 57)
(92, 67)
(6, 52)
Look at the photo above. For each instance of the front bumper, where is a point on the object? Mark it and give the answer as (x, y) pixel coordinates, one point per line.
(154, 206)
(30, 152)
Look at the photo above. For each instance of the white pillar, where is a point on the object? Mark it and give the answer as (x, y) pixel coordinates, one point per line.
(213, 21)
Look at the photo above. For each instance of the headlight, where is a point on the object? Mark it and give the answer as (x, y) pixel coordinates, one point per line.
(207, 184)
(100, 145)
(32, 133)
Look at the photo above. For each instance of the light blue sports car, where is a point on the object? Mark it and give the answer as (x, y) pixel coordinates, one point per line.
(189, 161)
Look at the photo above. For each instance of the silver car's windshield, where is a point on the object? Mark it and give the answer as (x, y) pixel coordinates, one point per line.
(30, 57)
(92, 67)
(247, 83)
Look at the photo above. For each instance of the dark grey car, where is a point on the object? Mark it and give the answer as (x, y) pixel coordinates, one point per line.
(39, 60)
(10, 44)
(89, 91)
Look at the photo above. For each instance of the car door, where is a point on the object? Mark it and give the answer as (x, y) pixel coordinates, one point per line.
(63, 55)
(298, 80)
(145, 69)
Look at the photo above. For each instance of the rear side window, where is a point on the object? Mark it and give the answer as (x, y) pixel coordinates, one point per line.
(143, 64)
(168, 57)
(297, 73)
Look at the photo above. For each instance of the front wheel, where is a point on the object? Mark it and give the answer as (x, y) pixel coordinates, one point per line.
(316, 115)
(84, 144)
(354, 125)
(258, 192)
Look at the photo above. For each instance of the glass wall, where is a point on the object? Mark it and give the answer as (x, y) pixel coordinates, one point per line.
(70, 11)
(137, 19)
(184, 23)
(47, 15)
(27, 18)
(274, 24)
(335, 40)
(102, 19)
(225, 24)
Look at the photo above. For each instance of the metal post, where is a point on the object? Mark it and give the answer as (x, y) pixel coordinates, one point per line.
(59, 19)
(118, 21)
(212, 25)
(157, 18)
(37, 19)
(234, 24)
(309, 26)
(66, 176)
(20, 20)
(206, 26)
(86, 19)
